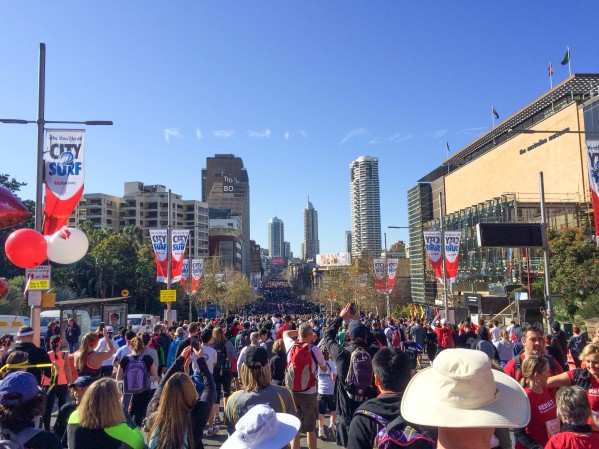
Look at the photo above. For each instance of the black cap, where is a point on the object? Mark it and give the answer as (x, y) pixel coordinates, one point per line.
(256, 357)
(357, 329)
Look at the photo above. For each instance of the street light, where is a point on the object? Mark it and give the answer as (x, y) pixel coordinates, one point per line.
(34, 298)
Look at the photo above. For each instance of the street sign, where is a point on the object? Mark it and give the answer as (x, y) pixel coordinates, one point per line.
(168, 295)
(125, 292)
(40, 277)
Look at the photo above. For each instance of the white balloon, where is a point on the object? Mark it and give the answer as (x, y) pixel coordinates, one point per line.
(67, 246)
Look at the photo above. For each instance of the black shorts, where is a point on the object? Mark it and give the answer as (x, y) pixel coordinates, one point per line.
(222, 381)
(326, 401)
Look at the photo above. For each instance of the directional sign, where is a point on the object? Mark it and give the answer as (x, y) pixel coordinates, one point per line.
(168, 295)
(40, 277)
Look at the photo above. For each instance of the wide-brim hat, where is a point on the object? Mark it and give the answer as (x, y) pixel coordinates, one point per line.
(466, 392)
(262, 428)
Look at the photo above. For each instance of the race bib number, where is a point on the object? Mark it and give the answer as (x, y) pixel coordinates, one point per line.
(553, 427)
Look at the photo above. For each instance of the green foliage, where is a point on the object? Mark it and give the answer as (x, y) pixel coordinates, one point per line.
(14, 303)
(590, 308)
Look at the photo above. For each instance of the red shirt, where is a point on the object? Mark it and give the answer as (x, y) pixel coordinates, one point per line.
(283, 328)
(543, 417)
(571, 440)
(510, 369)
(444, 338)
(593, 394)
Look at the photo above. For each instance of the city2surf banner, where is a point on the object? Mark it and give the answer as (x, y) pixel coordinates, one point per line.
(159, 238)
(63, 176)
(379, 274)
(432, 244)
(392, 272)
(197, 271)
(179, 241)
(185, 278)
(593, 160)
(452, 253)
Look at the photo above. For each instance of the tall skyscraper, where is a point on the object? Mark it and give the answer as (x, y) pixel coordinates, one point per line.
(348, 242)
(276, 237)
(311, 245)
(365, 206)
(226, 189)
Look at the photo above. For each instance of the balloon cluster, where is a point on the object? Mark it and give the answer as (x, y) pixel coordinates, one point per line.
(27, 248)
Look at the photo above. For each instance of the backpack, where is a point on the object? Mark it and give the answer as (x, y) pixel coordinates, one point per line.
(17, 440)
(136, 378)
(242, 340)
(582, 378)
(222, 360)
(395, 338)
(155, 344)
(299, 375)
(518, 366)
(397, 433)
(358, 383)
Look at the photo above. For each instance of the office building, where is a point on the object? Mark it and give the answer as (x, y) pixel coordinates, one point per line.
(495, 179)
(365, 206)
(146, 206)
(276, 237)
(348, 242)
(226, 190)
(311, 245)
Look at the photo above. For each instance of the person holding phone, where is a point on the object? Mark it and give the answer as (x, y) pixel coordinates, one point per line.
(89, 362)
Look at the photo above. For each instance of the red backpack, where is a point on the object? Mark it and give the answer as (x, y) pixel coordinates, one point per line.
(299, 375)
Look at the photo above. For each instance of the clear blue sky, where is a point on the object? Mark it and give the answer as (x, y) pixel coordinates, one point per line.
(298, 89)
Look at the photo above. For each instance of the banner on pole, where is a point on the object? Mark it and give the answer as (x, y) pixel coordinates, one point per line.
(197, 271)
(179, 241)
(593, 160)
(432, 244)
(63, 176)
(392, 272)
(452, 253)
(185, 278)
(158, 238)
(379, 274)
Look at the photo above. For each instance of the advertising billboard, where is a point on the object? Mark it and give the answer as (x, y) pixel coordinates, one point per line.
(333, 259)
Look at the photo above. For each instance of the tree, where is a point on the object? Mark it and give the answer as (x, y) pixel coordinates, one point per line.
(574, 270)
(238, 291)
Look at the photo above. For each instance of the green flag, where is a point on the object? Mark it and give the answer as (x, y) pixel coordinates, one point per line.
(566, 59)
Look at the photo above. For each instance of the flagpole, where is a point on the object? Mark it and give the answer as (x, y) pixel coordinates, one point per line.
(569, 69)
(550, 76)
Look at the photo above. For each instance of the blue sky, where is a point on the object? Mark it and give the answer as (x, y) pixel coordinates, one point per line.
(298, 89)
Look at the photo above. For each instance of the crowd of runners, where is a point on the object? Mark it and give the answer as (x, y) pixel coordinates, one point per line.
(269, 378)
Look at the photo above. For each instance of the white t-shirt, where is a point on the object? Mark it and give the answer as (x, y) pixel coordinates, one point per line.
(495, 334)
(210, 355)
(122, 352)
(325, 379)
(319, 358)
(103, 347)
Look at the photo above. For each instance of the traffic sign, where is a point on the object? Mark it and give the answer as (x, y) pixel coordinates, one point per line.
(168, 295)
(39, 277)
(124, 292)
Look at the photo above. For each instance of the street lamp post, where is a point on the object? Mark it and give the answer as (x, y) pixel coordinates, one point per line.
(34, 297)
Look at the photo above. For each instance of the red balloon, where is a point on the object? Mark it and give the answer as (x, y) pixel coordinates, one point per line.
(3, 288)
(26, 248)
(12, 211)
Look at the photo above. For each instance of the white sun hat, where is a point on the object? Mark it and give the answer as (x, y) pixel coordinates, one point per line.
(466, 392)
(262, 428)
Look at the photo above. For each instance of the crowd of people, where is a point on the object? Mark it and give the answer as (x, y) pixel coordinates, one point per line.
(279, 376)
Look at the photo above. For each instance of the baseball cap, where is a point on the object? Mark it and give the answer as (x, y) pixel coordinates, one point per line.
(256, 357)
(109, 330)
(18, 387)
(82, 382)
(443, 321)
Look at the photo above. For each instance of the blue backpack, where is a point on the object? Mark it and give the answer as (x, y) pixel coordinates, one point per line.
(137, 378)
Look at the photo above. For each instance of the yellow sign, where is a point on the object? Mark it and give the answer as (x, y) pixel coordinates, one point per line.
(125, 292)
(168, 295)
(39, 284)
(48, 300)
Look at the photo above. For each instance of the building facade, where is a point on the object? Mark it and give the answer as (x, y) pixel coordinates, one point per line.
(226, 189)
(276, 237)
(311, 245)
(146, 206)
(495, 179)
(365, 206)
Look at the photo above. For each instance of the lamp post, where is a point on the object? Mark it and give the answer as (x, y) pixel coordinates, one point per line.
(387, 292)
(34, 297)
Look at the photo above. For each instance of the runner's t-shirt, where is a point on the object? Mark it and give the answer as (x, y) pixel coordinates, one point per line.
(593, 394)
(543, 417)
(325, 379)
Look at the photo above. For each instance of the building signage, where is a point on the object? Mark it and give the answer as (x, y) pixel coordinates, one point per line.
(544, 141)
